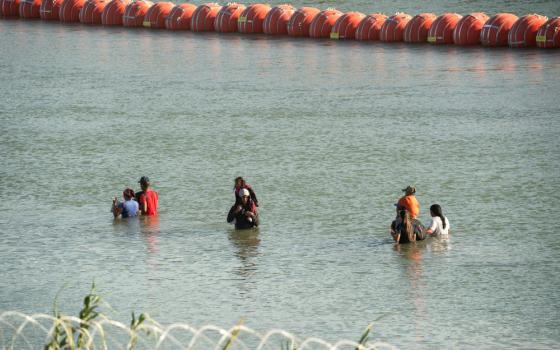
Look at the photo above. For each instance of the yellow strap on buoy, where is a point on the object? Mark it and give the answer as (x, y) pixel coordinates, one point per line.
(541, 38)
(432, 39)
(242, 19)
(335, 36)
(147, 24)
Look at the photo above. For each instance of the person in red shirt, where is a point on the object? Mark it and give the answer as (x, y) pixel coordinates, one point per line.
(409, 202)
(147, 198)
(239, 184)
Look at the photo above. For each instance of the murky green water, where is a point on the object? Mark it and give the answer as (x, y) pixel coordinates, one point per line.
(327, 133)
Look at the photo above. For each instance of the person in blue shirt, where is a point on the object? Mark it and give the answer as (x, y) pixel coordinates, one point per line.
(127, 209)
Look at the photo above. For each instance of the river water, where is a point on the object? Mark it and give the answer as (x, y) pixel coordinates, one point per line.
(327, 133)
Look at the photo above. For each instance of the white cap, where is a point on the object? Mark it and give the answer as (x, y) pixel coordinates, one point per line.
(244, 192)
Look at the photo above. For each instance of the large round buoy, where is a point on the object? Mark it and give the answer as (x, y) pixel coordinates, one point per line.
(204, 16)
(70, 10)
(91, 12)
(393, 28)
(30, 8)
(495, 31)
(50, 9)
(416, 30)
(467, 31)
(9, 8)
(155, 17)
(323, 22)
(370, 27)
(226, 20)
(251, 19)
(346, 25)
(180, 17)
(113, 13)
(134, 13)
(548, 35)
(299, 23)
(441, 31)
(523, 33)
(276, 20)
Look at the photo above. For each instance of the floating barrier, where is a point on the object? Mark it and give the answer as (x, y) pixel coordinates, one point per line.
(156, 15)
(323, 22)
(92, 11)
(70, 10)
(30, 9)
(548, 35)
(251, 19)
(468, 29)
(441, 31)
(370, 27)
(299, 23)
(276, 20)
(9, 8)
(113, 13)
(180, 17)
(393, 28)
(502, 29)
(523, 33)
(203, 17)
(416, 30)
(226, 20)
(495, 30)
(50, 9)
(346, 25)
(134, 13)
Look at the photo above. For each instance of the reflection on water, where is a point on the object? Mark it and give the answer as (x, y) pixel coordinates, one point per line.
(246, 243)
(149, 229)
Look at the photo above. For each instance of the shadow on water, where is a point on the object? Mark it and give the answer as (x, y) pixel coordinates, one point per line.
(246, 243)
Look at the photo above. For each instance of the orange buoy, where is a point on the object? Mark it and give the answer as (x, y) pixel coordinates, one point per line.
(29, 8)
(204, 16)
(393, 28)
(441, 31)
(70, 10)
(495, 31)
(523, 33)
(346, 25)
(299, 23)
(180, 17)
(226, 20)
(134, 13)
(155, 17)
(323, 22)
(416, 30)
(50, 9)
(251, 19)
(9, 8)
(91, 12)
(467, 31)
(276, 20)
(113, 13)
(548, 35)
(370, 27)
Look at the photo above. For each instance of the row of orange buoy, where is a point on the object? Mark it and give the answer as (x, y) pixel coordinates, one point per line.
(502, 29)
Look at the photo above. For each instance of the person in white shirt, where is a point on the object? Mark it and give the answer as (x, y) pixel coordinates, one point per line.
(439, 225)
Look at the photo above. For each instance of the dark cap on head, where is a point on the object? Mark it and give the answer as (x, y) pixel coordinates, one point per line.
(144, 180)
(409, 190)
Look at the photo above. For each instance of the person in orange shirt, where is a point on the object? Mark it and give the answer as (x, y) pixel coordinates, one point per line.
(409, 202)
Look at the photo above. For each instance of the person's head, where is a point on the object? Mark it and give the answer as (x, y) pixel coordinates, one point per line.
(239, 182)
(409, 190)
(144, 183)
(128, 194)
(244, 195)
(435, 210)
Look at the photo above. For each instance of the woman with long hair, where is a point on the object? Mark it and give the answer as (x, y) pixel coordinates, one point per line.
(403, 229)
(439, 225)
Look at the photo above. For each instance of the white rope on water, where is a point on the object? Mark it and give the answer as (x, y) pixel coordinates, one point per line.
(108, 334)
